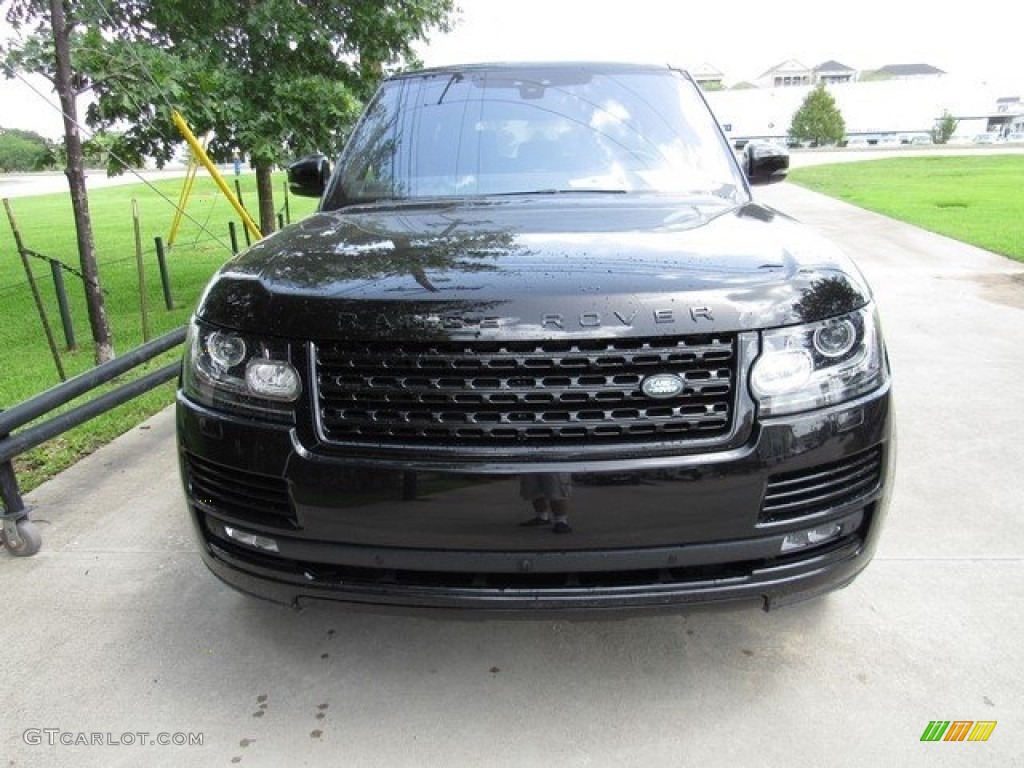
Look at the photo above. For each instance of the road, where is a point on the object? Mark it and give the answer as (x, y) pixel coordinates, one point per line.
(14, 185)
(115, 628)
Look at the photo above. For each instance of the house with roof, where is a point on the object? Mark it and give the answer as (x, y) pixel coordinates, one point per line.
(708, 77)
(903, 72)
(832, 72)
(785, 75)
(792, 73)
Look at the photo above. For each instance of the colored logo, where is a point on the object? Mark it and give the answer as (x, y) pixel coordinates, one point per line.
(958, 730)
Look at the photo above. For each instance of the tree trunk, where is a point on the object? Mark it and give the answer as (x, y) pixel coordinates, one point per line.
(75, 171)
(265, 195)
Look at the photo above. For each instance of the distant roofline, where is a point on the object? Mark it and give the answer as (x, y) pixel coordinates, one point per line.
(910, 69)
(778, 66)
(833, 66)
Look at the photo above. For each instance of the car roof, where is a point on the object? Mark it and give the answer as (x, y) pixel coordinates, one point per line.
(534, 66)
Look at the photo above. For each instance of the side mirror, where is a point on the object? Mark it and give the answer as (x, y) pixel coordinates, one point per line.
(765, 163)
(308, 176)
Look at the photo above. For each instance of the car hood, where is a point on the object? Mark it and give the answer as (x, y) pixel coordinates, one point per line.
(534, 267)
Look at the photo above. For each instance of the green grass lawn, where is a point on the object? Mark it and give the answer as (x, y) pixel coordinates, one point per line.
(201, 246)
(978, 200)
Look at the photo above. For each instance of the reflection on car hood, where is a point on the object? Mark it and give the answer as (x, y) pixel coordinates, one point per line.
(529, 267)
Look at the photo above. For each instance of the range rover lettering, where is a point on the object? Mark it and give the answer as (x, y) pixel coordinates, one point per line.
(538, 350)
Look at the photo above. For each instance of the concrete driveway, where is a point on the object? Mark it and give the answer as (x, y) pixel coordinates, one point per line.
(116, 629)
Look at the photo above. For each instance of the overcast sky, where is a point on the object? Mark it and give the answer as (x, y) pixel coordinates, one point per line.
(740, 38)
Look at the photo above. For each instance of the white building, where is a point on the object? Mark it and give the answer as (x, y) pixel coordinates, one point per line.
(873, 109)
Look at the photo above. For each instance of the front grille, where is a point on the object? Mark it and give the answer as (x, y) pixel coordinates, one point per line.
(524, 392)
(238, 495)
(820, 488)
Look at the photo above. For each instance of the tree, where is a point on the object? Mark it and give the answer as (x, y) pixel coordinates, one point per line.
(48, 53)
(818, 120)
(271, 79)
(944, 128)
(97, 149)
(23, 150)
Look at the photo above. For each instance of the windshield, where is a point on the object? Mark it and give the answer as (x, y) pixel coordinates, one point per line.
(518, 130)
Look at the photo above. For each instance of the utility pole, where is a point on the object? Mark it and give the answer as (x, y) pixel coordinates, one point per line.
(75, 171)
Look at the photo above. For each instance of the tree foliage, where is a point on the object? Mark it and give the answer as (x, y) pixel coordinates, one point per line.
(270, 79)
(24, 151)
(818, 120)
(944, 128)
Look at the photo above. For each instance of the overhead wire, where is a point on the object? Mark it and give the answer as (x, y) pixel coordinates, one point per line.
(132, 171)
(129, 170)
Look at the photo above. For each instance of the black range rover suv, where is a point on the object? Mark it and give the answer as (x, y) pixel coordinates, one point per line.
(538, 350)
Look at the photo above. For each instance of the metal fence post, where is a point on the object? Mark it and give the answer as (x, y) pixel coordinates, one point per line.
(141, 269)
(24, 253)
(161, 260)
(18, 534)
(62, 304)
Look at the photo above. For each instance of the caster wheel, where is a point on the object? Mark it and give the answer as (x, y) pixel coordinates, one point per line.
(31, 540)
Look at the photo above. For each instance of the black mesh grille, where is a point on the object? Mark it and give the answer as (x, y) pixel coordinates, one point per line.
(823, 487)
(238, 495)
(518, 393)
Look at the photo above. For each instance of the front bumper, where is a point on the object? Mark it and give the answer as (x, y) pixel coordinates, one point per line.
(649, 534)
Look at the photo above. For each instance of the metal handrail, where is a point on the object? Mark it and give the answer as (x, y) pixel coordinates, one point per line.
(18, 533)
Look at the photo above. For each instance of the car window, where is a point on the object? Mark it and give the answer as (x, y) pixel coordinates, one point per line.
(493, 132)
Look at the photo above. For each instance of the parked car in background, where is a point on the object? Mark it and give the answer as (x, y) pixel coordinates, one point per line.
(539, 350)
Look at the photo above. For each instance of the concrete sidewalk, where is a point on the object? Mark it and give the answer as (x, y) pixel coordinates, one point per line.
(116, 629)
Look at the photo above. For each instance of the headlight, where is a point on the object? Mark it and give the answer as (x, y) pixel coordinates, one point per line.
(820, 364)
(233, 372)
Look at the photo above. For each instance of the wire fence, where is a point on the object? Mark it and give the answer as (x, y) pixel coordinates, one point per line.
(208, 246)
(148, 287)
(204, 241)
